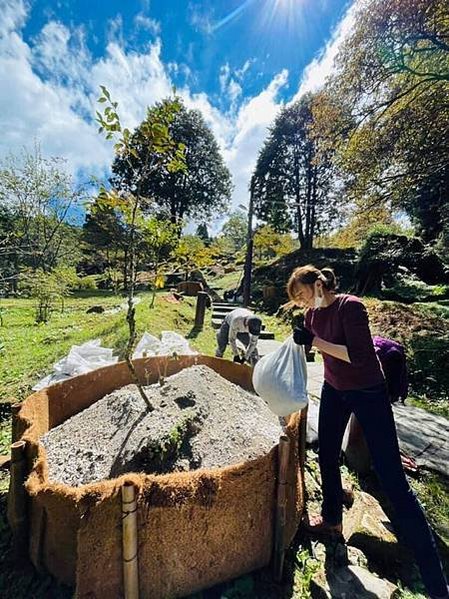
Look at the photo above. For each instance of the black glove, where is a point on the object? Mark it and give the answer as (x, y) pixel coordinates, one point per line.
(239, 360)
(302, 336)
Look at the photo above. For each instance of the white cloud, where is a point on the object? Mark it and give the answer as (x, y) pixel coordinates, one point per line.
(200, 20)
(48, 91)
(143, 22)
(234, 90)
(316, 73)
(12, 15)
(49, 87)
(223, 78)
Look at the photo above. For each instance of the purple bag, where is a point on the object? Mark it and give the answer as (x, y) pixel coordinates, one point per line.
(391, 355)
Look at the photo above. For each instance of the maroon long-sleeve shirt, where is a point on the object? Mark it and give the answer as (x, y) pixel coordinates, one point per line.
(345, 322)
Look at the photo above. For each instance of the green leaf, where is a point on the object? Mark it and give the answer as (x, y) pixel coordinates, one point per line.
(105, 92)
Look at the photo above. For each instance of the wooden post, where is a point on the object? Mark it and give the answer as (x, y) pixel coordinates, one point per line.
(281, 508)
(17, 502)
(130, 546)
(201, 302)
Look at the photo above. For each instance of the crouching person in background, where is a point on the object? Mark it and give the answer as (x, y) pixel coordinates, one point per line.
(243, 325)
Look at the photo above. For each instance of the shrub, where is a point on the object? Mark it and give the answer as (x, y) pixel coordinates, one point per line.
(88, 283)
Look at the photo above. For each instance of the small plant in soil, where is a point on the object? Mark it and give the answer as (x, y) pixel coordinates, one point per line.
(162, 153)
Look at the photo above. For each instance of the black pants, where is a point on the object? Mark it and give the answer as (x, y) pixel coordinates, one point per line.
(372, 409)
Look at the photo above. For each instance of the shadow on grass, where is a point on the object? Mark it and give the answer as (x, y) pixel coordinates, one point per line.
(194, 332)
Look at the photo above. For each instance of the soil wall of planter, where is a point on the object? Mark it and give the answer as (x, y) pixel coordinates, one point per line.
(195, 529)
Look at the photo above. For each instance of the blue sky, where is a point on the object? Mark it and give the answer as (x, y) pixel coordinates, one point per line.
(238, 61)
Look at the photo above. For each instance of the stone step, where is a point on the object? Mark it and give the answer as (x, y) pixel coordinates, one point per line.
(227, 306)
(216, 324)
(266, 346)
(224, 307)
(221, 316)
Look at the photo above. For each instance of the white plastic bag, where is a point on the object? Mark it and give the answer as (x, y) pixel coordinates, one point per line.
(81, 359)
(147, 347)
(280, 378)
(169, 343)
(174, 342)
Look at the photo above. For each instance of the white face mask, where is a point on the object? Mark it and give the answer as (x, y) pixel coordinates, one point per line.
(318, 301)
(319, 297)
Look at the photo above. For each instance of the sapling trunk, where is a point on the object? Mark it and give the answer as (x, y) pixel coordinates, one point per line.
(131, 314)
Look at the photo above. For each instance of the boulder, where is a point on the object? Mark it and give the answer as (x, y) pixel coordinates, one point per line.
(335, 553)
(385, 256)
(351, 582)
(367, 527)
(95, 310)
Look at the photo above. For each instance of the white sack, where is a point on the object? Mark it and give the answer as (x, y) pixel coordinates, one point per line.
(169, 343)
(280, 378)
(147, 347)
(89, 356)
(81, 359)
(173, 342)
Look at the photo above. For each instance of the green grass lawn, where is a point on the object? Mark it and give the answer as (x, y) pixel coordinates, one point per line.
(29, 350)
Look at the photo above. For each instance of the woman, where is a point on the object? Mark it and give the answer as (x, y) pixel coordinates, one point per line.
(337, 325)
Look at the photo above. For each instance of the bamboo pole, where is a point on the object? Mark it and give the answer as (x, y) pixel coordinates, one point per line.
(130, 548)
(17, 502)
(281, 507)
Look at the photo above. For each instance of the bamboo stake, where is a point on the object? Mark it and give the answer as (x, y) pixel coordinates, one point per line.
(130, 549)
(17, 502)
(281, 507)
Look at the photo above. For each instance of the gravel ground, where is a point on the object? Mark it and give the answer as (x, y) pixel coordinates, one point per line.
(200, 420)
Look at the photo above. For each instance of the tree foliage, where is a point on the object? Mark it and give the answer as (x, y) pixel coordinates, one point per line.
(235, 229)
(392, 85)
(37, 201)
(269, 244)
(199, 191)
(203, 233)
(293, 180)
(48, 288)
(192, 254)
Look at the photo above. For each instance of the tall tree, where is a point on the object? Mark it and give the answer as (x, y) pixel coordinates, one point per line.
(392, 76)
(106, 240)
(39, 196)
(293, 179)
(199, 192)
(203, 233)
(236, 229)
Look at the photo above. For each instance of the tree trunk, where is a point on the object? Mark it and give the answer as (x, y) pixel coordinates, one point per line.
(313, 207)
(307, 235)
(301, 238)
(125, 271)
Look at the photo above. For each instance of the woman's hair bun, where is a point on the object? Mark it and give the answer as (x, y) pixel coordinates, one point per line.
(331, 279)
